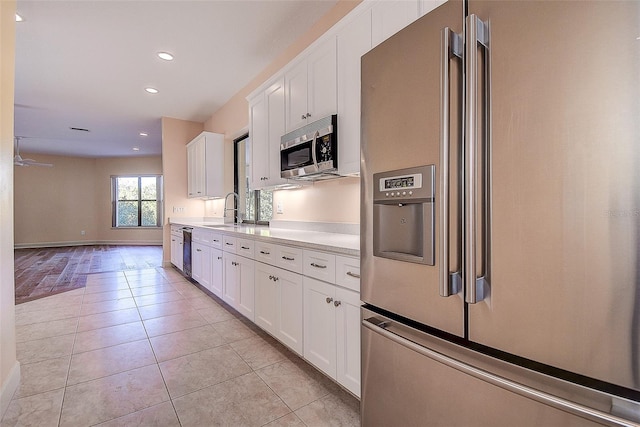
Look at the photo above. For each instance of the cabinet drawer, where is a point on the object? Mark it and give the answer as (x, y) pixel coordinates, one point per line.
(198, 235)
(176, 230)
(265, 252)
(348, 272)
(229, 244)
(289, 258)
(245, 247)
(320, 265)
(215, 240)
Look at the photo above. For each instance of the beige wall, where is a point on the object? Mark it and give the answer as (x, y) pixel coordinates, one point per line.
(54, 205)
(336, 200)
(9, 366)
(310, 203)
(176, 134)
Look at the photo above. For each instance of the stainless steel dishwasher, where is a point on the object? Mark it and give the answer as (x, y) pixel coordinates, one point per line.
(186, 250)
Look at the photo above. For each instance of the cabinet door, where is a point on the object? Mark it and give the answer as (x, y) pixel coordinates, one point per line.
(205, 271)
(295, 81)
(390, 16)
(199, 167)
(266, 298)
(246, 287)
(320, 325)
(213, 163)
(290, 330)
(217, 276)
(322, 85)
(176, 251)
(191, 171)
(259, 141)
(274, 98)
(348, 339)
(354, 41)
(197, 261)
(231, 277)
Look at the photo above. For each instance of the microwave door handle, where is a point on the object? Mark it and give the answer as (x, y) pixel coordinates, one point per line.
(313, 148)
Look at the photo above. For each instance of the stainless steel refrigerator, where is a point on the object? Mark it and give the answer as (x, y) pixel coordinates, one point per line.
(500, 220)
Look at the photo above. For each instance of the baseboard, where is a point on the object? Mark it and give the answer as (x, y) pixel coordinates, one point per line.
(9, 388)
(88, 243)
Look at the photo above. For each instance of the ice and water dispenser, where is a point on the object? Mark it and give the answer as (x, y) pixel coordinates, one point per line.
(404, 214)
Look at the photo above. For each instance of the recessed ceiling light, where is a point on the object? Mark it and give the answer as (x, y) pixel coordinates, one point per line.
(19, 18)
(151, 89)
(166, 56)
(136, 149)
(144, 134)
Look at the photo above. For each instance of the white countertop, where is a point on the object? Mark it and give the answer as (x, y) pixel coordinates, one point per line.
(344, 244)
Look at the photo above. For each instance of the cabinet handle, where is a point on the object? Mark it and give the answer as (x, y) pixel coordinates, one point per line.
(286, 258)
(357, 276)
(313, 264)
(265, 253)
(303, 117)
(329, 299)
(235, 263)
(198, 250)
(337, 303)
(219, 257)
(276, 278)
(308, 114)
(215, 240)
(244, 247)
(229, 244)
(173, 240)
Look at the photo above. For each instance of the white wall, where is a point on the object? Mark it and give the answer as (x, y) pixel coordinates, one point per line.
(9, 366)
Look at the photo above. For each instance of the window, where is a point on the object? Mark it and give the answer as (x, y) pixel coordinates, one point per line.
(255, 206)
(136, 201)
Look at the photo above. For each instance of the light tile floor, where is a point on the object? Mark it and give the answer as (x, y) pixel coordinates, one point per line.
(148, 348)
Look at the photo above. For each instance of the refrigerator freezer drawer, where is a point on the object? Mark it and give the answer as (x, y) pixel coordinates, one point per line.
(411, 378)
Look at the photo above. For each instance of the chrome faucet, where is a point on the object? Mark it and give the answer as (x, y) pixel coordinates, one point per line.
(235, 209)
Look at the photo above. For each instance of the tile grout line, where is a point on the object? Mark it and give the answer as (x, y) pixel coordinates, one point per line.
(75, 336)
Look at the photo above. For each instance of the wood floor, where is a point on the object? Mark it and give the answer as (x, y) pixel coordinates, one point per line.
(47, 271)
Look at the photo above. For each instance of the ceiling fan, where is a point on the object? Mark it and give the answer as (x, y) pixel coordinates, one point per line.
(19, 161)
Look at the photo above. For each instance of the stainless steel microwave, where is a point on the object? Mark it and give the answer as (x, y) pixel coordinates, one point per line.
(311, 152)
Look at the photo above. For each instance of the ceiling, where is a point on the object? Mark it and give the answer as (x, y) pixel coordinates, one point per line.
(86, 64)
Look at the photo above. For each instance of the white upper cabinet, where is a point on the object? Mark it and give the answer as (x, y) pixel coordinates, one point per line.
(354, 40)
(390, 16)
(205, 166)
(311, 86)
(266, 115)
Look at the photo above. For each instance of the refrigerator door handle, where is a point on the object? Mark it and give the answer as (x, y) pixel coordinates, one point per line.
(451, 47)
(382, 326)
(477, 33)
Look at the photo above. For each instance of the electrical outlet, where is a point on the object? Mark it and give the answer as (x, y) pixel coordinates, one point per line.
(82, 233)
(178, 209)
(279, 207)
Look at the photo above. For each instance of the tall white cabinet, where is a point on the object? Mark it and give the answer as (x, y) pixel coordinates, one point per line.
(267, 125)
(205, 166)
(310, 86)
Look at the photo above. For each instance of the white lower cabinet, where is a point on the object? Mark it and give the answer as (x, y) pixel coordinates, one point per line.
(278, 310)
(217, 275)
(238, 289)
(332, 331)
(201, 264)
(176, 250)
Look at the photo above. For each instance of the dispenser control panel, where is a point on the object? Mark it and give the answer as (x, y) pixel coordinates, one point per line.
(412, 183)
